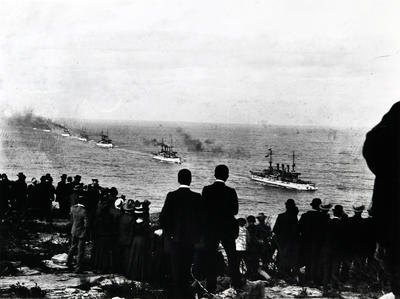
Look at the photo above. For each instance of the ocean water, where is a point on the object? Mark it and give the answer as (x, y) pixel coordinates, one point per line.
(331, 158)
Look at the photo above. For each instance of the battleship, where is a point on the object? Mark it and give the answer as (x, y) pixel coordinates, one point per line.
(282, 176)
(105, 142)
(66, 133)
(83, 136)
(167, 154)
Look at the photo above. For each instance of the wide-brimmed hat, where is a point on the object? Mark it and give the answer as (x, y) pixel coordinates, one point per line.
(358, 207)
(261, 216)
(325, 206)
(129, 205)
(119, 203)
(316, 202)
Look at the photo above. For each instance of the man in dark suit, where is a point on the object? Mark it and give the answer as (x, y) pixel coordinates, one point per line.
(62, 196)
(221, 205)
(332, 251)
(19, 188)
(381, 152)
(311, 239)
(286, 230)
(180, 219)
(78, 233)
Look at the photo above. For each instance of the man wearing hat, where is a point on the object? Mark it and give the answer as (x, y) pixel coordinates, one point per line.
(264, 235)
(286, 230)
(19, 191)
(78, 234)
(33, 200)
(125, 234)
(78, 189)
(332, 252)
(5, 194)
(93, 198)
(356, 229)
(311, 238)
(46, 193)
(62, 196)
(181, 221)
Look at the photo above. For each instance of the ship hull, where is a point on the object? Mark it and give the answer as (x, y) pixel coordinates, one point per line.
(83, 139)
(104, 145)
(169, 160)
(65, 135)
(281, 184)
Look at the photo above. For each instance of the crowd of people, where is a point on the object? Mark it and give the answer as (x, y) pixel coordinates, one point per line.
(190, 228)
(185, 245)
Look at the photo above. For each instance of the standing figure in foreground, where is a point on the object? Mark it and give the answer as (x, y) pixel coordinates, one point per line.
(78, 233)
(46, 193)
(105, 226)
(286, 230)
(221, 205)
(5, 194)
(19, 189)
(264, 236)
(62, 196)
(382, 153)
(311, 236)
(181, 221)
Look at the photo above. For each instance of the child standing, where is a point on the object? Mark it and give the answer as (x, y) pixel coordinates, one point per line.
(241, 244)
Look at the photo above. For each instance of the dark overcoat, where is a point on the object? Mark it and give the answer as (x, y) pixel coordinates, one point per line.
(221, 205)
(181, 216)
(382, 153)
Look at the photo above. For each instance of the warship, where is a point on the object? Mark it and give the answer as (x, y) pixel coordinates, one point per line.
(282, 176)
(66, 133)
(105, 142)
(167, 154)
(83, 136)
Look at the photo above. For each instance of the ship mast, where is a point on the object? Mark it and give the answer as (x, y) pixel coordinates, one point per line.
(293, 164)
(270, 158)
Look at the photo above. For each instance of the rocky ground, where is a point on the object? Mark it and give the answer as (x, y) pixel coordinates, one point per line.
(33, 265)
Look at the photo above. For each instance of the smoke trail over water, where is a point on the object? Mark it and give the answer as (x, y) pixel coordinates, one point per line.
(193, 145)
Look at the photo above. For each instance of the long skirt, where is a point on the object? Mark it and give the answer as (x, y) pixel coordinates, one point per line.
(103, 254)
(136, 266)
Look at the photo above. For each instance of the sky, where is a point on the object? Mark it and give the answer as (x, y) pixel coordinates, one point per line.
(320, 63)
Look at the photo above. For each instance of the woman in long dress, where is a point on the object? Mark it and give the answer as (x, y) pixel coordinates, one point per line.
(104, 234)
(138, 255)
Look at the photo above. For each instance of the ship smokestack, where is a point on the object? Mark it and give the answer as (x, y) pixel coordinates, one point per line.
(288, 168)
(277, 166)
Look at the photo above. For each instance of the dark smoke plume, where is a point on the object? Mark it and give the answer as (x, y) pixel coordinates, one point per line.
(153, 141)
(193, 145)
(29, 119)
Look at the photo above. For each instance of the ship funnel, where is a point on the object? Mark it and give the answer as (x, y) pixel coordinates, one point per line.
(277, 166)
